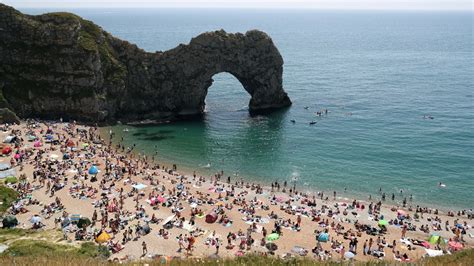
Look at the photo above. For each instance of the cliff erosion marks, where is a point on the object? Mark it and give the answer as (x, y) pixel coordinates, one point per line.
(60, 65)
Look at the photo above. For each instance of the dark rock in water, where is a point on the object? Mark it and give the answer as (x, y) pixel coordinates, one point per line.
(60, 65)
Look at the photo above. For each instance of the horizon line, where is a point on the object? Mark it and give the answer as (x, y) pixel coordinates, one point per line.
(253, 8)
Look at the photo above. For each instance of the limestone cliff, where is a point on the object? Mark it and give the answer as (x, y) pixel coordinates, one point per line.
(60, 65)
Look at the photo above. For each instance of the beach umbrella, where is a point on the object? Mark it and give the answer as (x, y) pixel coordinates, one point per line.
(383, 223)
(35, 219)
(102, 237)
(6, 150)
(349, 255)
(17, 156)
(93, 170)
(65, 156)
(220, 203)
(180, 186)
(139, 186)
(401, 212)
(83, 222)
(31, 138)
(455, 246)
(49, 137)
(273, 237)
(271, 246)
(37, 144)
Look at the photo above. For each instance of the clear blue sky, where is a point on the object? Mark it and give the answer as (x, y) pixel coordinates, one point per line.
(320, 4)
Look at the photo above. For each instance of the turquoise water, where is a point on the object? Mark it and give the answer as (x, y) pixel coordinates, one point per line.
(377, 73)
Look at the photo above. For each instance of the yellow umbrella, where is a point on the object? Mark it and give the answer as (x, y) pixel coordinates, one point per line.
(220, 203)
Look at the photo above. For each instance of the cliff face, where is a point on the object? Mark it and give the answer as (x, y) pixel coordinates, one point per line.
(60, 65)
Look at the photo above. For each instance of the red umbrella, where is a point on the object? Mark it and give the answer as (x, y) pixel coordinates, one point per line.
(7, 150)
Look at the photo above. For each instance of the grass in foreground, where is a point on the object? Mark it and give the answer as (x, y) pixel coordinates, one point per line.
(7, 197)
(81, 256)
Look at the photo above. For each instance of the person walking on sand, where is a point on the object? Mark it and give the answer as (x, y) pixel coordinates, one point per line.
(217, 246)
(404, 230)
(144, 249)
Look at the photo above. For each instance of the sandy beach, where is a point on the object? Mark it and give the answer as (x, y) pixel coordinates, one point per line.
(146, 210)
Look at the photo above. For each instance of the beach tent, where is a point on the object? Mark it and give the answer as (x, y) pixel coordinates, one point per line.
(433, 252)
(10, 139)
(273, 237)
(434, 239)
(70, 143)
(211, 218)
(9, 221)
(139, 186)
(323, 237)
(7, 150)
(35, 219)
(383, 223)
(93, 170)
(102, 237)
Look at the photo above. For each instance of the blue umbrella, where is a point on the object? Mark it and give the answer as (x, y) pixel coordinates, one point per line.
(93, 170)
(49, 137)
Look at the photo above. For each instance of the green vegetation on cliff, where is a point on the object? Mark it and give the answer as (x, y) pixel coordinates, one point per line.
(7, 197)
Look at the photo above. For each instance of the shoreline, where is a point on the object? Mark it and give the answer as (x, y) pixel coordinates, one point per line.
(344, 195)
(238, 208)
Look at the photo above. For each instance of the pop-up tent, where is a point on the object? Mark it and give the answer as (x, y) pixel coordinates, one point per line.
(102, 237)
(435, 239)
(273, 237)
(10, 139)
(6, 150)
(211, 218)
(323, 237)
(9, 221)
(93, 170)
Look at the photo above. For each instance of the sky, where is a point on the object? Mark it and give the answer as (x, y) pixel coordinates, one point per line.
(316, 4)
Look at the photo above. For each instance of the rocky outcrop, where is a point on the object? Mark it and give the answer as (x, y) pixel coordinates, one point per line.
(60, 65)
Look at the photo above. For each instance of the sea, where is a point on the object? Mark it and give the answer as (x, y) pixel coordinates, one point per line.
(398, 87)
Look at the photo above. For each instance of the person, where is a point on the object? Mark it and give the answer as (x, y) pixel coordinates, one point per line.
(144, 249)
(217, 246)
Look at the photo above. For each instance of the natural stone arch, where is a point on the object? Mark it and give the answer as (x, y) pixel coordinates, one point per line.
(187, 70)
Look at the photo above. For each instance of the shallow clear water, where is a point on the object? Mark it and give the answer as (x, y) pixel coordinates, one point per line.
(377, 73)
